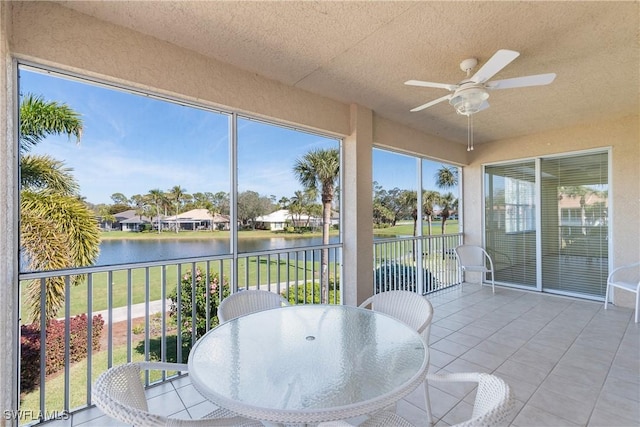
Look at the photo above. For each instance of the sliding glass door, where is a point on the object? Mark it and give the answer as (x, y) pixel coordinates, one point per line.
(510, 221)
(546, 223)
(574, 226)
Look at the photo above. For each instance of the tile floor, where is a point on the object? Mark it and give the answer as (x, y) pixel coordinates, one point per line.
(570, 362)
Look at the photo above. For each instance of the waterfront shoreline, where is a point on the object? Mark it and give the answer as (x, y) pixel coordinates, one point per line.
(204, 235)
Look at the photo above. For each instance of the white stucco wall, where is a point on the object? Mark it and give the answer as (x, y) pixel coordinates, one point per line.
(391, 135)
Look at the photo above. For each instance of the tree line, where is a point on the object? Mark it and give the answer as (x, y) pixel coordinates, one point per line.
(391, 206)
(302, 205)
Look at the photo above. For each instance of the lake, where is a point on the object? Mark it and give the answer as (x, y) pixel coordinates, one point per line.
(126, 251)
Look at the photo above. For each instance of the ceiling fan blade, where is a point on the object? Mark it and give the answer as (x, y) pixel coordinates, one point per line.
(497, 62)
(429, 104)
(535, 80)
(431, 84)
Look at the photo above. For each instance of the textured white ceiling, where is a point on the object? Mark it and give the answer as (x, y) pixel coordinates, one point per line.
(362, 52)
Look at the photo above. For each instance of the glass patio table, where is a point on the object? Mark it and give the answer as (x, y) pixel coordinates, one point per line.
(306, 364)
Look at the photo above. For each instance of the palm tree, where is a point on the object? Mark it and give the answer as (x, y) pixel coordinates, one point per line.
(284, 202)
(407, 200)
(447, 177)
(583, 193)
(302, 204)
(296, 208)
(57, 229)
(140, 204)
(105, 215)
(157, 197)
(320, 169)
(447, 202)
(429, 199)
(177, 194)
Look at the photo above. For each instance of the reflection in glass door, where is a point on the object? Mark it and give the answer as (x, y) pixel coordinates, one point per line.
(510, 221)
(574, 226)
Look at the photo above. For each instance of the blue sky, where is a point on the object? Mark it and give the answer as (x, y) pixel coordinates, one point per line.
(132, 144)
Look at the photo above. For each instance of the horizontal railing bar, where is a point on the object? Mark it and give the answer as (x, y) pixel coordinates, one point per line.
(107, 268)
(288, 250)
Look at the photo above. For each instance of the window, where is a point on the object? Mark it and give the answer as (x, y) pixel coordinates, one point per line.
(415, 212)
(519, 205)
(156, 175)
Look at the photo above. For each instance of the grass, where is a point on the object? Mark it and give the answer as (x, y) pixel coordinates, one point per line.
(169, 275)
(251, 270)
(55, 390)
(54, 395)
(55, 387)
(405, 228)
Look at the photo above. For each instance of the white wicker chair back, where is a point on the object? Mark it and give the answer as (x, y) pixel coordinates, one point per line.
(248, 301)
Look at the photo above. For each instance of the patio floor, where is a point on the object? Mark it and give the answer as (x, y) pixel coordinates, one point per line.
(569, 361)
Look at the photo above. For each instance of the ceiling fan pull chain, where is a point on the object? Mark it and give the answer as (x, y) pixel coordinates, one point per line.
(469, 132)
(471, 118)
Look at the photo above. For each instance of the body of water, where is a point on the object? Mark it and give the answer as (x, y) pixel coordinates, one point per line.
(113, 252)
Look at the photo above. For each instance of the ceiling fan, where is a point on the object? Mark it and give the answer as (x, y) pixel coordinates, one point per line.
(470, 95)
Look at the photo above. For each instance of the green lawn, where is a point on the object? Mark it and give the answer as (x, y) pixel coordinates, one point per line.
(54, 392)
(405, 228)
(120, 279)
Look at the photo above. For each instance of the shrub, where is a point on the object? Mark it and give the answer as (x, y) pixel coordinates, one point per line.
(55, 347)
(309, 293)
(145, 227)
(202, 287)
(401, 277)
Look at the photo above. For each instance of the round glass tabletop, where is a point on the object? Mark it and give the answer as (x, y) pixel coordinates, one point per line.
(308, 363)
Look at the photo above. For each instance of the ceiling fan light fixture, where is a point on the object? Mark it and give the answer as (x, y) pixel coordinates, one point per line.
(468, 101)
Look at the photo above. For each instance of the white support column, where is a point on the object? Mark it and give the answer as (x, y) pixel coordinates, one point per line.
(9, 289)
(356, 192)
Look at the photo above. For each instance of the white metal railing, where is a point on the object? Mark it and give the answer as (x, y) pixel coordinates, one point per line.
(418, 264)
(155, 310)
(151, 311)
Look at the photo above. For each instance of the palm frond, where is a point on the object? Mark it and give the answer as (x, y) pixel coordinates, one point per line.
(446, 177)
(41, 172)
(56, 232)
(45, 249)
(71, 218)
(39, 118)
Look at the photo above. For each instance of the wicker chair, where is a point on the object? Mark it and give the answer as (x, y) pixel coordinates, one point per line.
(493, 404)
(119, 393)
(476, 259)
(625, 277)
(248, 301)
(410, 308)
